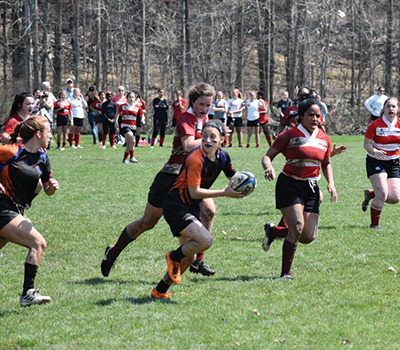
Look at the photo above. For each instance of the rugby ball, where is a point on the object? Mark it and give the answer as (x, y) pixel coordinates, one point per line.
(244, 182)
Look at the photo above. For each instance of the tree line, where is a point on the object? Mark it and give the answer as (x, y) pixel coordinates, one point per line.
(343, 48)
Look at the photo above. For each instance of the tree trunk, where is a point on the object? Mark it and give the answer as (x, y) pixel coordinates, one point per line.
(5, 47)
(28, 46)
(389, 48)
(99, 40)
(45, 40)
(57, 62)
(35, 42)
(143, 46)
(239, 47)
(188, 44)
(77, 48)
(290, 60)
(183, 44)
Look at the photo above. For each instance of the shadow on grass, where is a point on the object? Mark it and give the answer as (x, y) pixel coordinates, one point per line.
(236, 278)
(240, 213)
(146, 300)
(8, 312)
(97, 280)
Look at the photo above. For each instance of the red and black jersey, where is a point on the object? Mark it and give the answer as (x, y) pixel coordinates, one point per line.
(187, 125)
(263, 113)
(386, 136)
(9, 126)
(304, 152)
(97, 105)
(21, 171)
(129, 115)
(177, 108)
(199, 171)
(66, 105)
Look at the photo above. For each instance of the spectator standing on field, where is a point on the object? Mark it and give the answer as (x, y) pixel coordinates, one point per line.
(91, 97)
(284, 103)
(63, 110)
(235, 120)
(179, 105)
(375, 103)
(69, 89)
(253, 118)
(79, 105)
(264, 122)
(109, 111)
(140, 102)
(160, 120)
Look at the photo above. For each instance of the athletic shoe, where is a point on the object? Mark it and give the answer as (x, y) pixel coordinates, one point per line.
(125, 161)
(57, 149)
(267, 241)
(230, 145)
(107, 264)
(115, 147)
(73, 146)
(32, 297)
(367, 198)
(152, 146)
(174, 269)
(240, 146)
(156, 294)
(161, 146)
(376, 227)
(62, 149)
(201, 267)
(133, 160)
(287, 276)
(79, 146)
(103, 147)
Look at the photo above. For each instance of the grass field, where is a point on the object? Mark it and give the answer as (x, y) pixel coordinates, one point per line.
(343, 295)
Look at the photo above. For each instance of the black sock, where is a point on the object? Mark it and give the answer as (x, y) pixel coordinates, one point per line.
(29, 277)
(122, 242)
(177, 255)
(162, 287)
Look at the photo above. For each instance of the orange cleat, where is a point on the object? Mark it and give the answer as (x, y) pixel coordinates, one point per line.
(174, 269)
(156, 294)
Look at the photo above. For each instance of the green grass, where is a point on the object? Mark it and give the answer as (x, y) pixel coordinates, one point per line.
(343, 295)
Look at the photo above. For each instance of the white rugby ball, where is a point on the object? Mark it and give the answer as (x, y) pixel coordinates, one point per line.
(244, 182)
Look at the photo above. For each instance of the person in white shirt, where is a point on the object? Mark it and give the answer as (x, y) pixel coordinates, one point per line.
(253, 118)
(69, 89)
(78, 105)
(375, 103)
(235, 120)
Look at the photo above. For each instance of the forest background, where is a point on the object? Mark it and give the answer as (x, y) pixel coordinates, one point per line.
(345, 49)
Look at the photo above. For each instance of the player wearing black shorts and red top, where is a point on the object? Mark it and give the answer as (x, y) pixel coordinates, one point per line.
(187, 137)
(131, 115)
(25, 169)
(307, 150)
(182, 205)
(63, 109)
(382, 141)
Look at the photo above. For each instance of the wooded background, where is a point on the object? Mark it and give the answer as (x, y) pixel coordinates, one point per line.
(343, 48)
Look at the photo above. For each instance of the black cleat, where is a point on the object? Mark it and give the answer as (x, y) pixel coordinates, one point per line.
(201, 267)
(365, 203)
(107, 264)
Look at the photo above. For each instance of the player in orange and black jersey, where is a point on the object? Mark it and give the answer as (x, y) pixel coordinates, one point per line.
(182, 205)
(25, 169)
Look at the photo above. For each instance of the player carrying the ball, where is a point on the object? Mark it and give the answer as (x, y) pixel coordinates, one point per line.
(307, 150)
(182, 205)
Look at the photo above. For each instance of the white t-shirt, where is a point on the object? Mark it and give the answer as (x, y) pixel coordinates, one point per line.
(234, 105)
(252, 109)
(375, 104)
(77, 108)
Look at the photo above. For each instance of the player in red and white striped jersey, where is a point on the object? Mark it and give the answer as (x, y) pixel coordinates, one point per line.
(382, 141)
(131, 115)
(307, 150)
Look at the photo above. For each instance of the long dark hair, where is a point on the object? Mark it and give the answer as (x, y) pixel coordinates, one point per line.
(18, 101)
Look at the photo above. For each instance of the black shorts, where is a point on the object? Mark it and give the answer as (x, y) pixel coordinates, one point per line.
(99, 119)
(160, 188)
(63, 120)
(78, 122)
(289, 191)
(236, 122)
(8, 211)
(179, 215)
(390, 167)
(253, 122)
(125, 130)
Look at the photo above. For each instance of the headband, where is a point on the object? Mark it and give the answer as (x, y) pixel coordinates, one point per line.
(215, 125)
